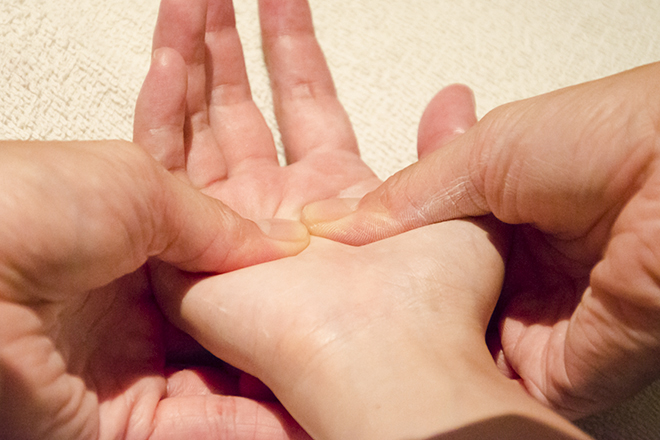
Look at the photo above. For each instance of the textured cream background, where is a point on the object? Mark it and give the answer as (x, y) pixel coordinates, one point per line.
(71, 69)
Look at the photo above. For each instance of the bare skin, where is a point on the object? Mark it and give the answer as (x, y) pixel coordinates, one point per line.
(576, 174)
(383, 341)
(222, 143)
(82, 343)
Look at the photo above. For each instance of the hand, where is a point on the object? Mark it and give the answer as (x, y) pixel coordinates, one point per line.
(294, 325)
(576, 172)
(82, 349)
(195, 115)
(384, 341)
(206, 128)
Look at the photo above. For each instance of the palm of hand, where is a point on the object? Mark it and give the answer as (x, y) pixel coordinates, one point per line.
(264, 191)
(61, 381)
(570, 328)
(225, 147)
(359, 316)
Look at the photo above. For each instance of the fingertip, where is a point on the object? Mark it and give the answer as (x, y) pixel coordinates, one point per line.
(245, 243)
(451, 112)
(328, 210)
(335, 219)
(345, 220)
(291, 235)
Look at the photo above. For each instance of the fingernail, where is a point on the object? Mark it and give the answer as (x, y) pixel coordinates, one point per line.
(329, 210)
(283, 230)
(164, 57)
(159, 55)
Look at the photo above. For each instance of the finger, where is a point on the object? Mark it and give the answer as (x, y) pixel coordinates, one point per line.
(309, 115)
(450, 113)
(237, 123)
(181, 26)
(444, 185)
(160, 110)
(198, 233)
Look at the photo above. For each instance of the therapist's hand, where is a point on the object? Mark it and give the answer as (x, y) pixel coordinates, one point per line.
(577, 172)
(82, 341)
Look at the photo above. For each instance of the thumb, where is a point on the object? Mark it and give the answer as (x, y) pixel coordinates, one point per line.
(444, 185)
(198, 233)
(438, 187)
(558, 161)
(78, 215)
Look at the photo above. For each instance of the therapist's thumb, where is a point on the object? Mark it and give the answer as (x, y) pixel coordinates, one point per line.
(198, 233)
(437, 188)
(445, 184)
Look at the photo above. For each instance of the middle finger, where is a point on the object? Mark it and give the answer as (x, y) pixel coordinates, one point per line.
(308, 112)
(239, 127)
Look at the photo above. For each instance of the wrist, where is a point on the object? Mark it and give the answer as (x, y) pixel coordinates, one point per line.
(413, 394)
(395, 390)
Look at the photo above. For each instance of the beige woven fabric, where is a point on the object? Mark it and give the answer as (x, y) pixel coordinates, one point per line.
(71, 69)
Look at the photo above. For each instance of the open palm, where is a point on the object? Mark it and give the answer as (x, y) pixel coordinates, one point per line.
(221, 143)
(196, 116)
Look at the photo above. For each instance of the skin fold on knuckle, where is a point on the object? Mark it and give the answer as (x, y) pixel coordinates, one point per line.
(399, 201)
(496, 161)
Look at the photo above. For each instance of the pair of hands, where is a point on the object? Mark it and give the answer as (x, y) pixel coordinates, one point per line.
(85, 355)
(346, 338)
(86, 351)
(574, 171)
